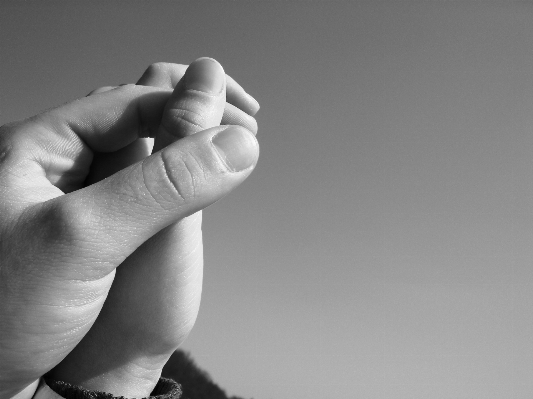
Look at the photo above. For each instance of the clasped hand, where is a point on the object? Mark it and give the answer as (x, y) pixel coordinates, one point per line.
(80, 195)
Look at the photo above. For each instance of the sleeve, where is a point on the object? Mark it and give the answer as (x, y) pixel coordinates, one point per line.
(50, 389)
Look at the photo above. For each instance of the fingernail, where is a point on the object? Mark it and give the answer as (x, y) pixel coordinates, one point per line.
(237, 147)
(205, 75)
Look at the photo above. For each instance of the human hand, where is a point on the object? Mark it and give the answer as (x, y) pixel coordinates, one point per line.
(154, 300)
(61, 242)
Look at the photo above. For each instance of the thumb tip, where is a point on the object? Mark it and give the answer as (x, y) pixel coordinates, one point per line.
(205, 75)
(207, 59)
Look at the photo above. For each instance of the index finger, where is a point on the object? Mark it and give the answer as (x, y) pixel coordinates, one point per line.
(105, 122)
(167, 75)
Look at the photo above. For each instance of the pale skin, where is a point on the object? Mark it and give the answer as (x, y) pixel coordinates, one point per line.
(80, 195)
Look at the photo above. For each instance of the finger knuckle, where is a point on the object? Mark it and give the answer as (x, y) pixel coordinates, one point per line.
(185, 174)
(59, 235)
(64, 223)
(186, 119)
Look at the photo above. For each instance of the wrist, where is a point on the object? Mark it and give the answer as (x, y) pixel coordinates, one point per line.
(111, 367)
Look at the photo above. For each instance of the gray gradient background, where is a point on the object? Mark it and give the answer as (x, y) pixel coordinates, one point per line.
(384, 246)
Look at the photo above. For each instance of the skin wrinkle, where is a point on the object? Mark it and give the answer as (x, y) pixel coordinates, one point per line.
(201, 93)
(134, 191)
(194, 261)
(186, 161)
(67, 129)
(179, 187)
(84, 292)
(196, 239)
(86, 312)
(72, 149)
(200, 166)
(73, 324)
(87, 300)
(147, 186)
(149, 191)
(178, 113)
(73, 327)
(185, 116)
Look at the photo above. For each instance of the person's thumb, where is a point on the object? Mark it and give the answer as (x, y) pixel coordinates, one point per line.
(197, 103)
(105, 222)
